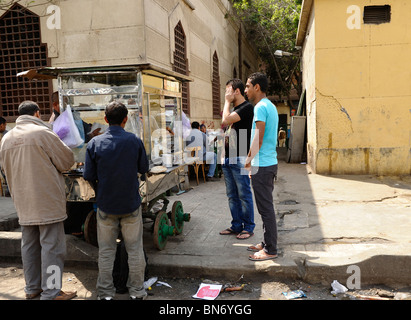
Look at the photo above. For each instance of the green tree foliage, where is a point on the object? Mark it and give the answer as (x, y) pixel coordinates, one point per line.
(272, 25)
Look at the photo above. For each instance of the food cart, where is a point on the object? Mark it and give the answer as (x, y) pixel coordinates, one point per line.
(153, 97)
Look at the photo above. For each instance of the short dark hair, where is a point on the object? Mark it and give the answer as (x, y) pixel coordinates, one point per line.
(260, 79)
(28, 108)
(195, 125)
(236, 84)
(55, 97)
(2, 120)
(116, 112)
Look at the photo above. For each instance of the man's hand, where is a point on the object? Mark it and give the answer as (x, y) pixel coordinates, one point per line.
(247, 163)
(95, 132)
(229, 94)
(229, 118)
(247, 166)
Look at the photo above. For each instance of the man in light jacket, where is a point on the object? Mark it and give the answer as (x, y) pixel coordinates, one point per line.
(33, 158)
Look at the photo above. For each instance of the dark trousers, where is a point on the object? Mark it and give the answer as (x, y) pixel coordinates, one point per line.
(262, 181)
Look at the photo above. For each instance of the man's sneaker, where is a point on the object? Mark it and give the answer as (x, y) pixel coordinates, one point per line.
(105, 298)
(212, 179)
(138, 298)
(66, 295)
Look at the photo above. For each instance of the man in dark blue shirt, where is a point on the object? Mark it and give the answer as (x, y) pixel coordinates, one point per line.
(113, 161)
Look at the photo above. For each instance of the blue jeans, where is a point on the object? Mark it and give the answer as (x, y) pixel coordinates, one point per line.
(240, 198)
(211, 159)
(108, 228)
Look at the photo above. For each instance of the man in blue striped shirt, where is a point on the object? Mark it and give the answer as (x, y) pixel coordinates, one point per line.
(113, 161)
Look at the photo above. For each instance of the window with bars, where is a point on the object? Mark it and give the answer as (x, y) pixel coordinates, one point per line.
(21, 49)
(181, 64)
(216, 88)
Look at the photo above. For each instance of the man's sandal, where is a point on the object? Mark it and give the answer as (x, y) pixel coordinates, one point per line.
(228, 231)
(262, 256)
(244, 235)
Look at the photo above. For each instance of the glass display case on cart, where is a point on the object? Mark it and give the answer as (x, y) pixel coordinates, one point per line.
(153, 98)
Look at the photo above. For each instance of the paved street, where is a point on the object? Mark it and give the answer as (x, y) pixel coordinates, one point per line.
(326, 224)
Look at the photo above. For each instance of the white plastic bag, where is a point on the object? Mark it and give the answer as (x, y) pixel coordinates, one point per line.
(338, 287)
(150, 282)
(186, 126)
(65, 127)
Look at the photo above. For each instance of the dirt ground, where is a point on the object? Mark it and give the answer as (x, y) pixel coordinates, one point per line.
(83, 281)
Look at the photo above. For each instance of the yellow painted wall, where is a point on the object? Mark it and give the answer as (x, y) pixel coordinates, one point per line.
(309, 72)
(362, 90)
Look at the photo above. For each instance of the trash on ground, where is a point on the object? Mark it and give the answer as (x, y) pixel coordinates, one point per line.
(231, 289)
(338, 287)
(385, 293)
(295, 294)
(208, 291)
(208, 281)
(161, 283)
(402, 296)
(150, 282)
(362, 297)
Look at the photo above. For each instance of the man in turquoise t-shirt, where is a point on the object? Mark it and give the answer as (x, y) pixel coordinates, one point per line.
(266, 112)
(262, 161)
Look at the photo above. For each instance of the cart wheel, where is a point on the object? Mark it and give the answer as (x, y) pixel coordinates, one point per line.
(162, 230)
(178, 216)
(90, 228)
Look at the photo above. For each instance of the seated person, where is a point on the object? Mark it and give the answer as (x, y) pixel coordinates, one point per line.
(3, 130)
(203, 128)
(197, 138)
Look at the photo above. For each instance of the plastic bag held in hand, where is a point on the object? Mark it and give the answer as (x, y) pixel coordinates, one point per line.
(66, 129)
(62, 126)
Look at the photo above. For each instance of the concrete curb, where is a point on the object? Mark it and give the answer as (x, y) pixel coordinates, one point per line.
(373, 267)
(386, 269)
(79, 252)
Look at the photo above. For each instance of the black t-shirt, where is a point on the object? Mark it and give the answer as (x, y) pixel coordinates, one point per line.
(238, 135)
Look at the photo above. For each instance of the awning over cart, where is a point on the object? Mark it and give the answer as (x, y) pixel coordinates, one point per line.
(47, 73)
